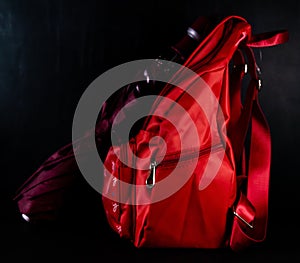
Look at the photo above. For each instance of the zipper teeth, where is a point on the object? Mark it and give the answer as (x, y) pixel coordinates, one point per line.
(192, 155)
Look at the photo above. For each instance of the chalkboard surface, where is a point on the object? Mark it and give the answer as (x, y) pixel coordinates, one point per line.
(51, 50)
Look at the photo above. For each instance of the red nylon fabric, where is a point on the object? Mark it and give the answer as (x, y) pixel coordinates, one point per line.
(190, 217)
(269, 39)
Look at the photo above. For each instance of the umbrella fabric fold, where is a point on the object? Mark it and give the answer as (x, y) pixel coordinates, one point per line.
(50, 190)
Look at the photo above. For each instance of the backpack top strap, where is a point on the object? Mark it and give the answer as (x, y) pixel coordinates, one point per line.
(269, 39)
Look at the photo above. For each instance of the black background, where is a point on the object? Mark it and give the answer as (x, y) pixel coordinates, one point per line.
(50, 51)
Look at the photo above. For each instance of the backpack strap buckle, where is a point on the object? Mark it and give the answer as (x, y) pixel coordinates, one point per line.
(244, 211)
(259, 84)
(242, 219)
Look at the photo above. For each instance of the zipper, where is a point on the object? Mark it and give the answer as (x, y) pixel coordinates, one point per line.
(150, 181)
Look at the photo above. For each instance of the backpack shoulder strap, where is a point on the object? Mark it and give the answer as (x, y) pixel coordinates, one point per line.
(251, 210)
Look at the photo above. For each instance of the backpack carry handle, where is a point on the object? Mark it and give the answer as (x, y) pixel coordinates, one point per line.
(269, 39)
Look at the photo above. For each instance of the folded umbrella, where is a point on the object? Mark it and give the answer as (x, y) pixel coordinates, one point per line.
(51, 189)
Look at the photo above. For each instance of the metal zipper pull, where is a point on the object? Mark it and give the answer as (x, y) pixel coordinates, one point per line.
(150, 181)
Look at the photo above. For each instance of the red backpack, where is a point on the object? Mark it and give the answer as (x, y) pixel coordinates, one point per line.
(195, 173)
(188, 178)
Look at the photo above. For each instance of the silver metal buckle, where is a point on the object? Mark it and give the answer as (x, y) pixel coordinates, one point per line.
(259, 78)
(259, 84)
(242, 219)
(245, 67)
